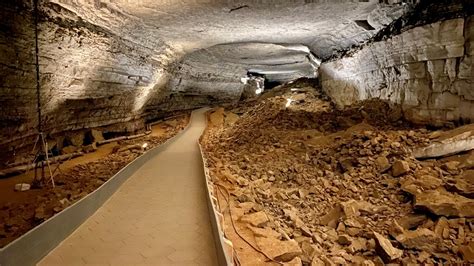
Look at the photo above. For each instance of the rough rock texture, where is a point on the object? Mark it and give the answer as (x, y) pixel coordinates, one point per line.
(90, 77)
(427, 70)
(343, 183)
(451, 142)
(385, 249)
(108, 62)
(444, 203)
(217, 72)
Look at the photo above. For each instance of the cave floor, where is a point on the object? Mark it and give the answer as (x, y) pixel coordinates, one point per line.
(158, 217)
(22, 211)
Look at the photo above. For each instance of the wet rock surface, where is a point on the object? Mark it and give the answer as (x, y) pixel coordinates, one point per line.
(19, 215)
(343, 183)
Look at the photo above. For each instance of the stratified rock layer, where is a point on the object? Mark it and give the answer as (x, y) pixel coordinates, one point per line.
(426, 70)
(108, 63)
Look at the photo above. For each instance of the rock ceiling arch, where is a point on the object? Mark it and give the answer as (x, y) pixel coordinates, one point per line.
(122, 56)
(188, 25)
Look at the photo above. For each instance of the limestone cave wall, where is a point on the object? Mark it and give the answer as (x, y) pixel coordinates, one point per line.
(89, 76)
(17, 71)
(215, 73)
(117, 64)
(426, 70)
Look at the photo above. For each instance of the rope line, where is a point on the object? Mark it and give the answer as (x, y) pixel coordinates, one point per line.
(38, 85)
(227, 199)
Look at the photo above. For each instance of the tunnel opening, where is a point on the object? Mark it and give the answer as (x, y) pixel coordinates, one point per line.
(268, 83)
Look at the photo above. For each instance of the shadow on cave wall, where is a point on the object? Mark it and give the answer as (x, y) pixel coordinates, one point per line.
(18, 118)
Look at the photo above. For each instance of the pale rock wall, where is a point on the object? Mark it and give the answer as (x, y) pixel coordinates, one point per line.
(108, 63)
(215, 73)
(426, 70)
(90, 77)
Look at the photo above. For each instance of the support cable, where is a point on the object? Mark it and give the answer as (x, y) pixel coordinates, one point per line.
(38, 85)
(43, 153)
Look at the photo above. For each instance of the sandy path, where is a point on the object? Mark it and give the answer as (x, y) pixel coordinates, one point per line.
(158, 217)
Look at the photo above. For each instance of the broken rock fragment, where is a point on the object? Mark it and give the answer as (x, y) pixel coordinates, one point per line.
(443, 203)
(467, 252)
(463, 184)
(344, 240)
(332, 217)
(97, 135)
(449, 143)
(264, 232)
(451, 165)
(420, 239)
(295, 219)
(217, 118)
(257, 219)
(358, 244)
(40, 213)
(294, 262)
(419, 184)
(382, 163)
(399, 168)
(22, 187)
(412, 221)
(385, 249)
(279, 250)
(442, 226)
(354, 208)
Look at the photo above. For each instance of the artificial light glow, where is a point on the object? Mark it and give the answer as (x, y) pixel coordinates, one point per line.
(259, 88)
(146, 87)
(244, 80)
(288, 102)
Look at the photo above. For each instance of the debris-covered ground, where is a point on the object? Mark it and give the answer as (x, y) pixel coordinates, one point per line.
(22, 211)
(301, 182)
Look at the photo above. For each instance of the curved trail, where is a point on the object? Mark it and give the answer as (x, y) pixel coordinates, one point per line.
(158, 217)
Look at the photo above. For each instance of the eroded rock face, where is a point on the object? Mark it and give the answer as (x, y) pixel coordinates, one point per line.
(427, 70)
(89, 76)
(109, 62)
(217, 72)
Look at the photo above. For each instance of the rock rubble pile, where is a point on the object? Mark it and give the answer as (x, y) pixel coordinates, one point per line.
(306, 183)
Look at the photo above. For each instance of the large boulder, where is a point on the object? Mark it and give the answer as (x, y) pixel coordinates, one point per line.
(449, 143)
(443, 203)
(420, 239)
(385, 249)
(463, 184)
(279, 250)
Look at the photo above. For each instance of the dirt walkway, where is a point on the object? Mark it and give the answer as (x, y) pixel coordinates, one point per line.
(158, 217)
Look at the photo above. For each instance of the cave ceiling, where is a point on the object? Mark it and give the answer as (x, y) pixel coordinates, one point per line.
(182, 27)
